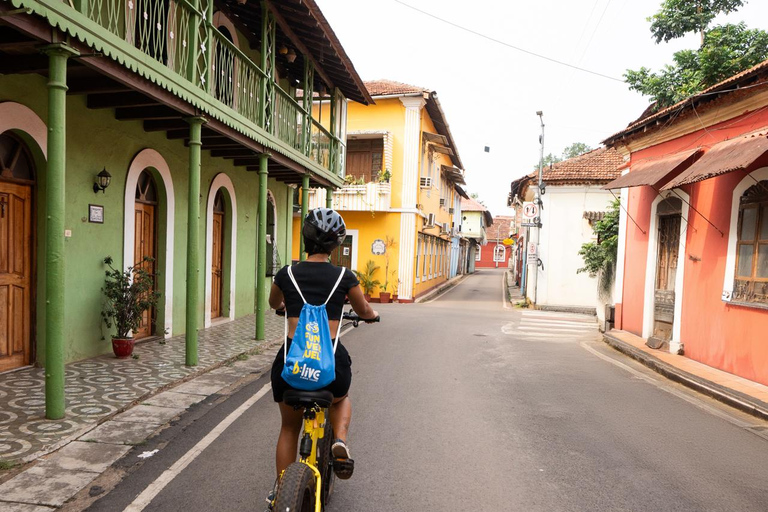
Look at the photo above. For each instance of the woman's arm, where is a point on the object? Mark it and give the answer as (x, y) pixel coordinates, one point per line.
(360, 305)
(276, 299)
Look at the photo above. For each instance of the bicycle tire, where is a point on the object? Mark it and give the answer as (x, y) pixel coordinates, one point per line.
(296, 490)
(325, 462)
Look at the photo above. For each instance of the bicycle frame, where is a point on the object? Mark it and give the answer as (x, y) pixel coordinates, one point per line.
(314, 430)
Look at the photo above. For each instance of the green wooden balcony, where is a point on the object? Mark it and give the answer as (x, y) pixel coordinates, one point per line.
(174, 44)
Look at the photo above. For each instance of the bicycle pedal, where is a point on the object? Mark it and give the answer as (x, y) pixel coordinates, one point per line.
(343, 468)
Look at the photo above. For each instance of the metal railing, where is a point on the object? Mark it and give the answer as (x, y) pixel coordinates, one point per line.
(178, 35)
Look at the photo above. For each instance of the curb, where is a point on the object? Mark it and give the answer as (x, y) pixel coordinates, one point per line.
(441, 289)
(728, 396)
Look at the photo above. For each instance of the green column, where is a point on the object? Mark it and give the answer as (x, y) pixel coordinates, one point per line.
(193, 239)
(329, 197)
(261, 275)
(54, 229)
(304, 210)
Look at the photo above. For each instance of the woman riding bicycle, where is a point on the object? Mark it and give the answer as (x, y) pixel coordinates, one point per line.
(323, 231)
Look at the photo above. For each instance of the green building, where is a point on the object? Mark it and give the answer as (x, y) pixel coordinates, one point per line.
(209, 117)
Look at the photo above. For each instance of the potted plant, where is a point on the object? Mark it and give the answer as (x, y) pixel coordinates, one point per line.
(395, 286)
(389, 243)
(127, 295)
(367, 280)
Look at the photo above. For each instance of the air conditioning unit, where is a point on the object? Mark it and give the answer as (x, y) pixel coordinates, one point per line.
(442, 202)
(430, 221)
(451, 210)
(425, 182)
(444, 230)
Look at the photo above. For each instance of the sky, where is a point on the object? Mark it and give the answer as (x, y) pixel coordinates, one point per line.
(490, 93)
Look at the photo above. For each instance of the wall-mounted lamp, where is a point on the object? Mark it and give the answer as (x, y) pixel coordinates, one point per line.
(290, 56)
(283, 50)
(102, 181)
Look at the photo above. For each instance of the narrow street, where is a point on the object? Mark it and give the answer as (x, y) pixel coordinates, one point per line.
(463, 404)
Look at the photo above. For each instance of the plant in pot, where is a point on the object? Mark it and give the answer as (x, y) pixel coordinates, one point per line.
(395, 286)
(389, 243)
(127, 295)
(367, 280)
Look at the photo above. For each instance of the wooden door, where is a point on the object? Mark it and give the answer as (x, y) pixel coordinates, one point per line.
(342, 255)
(15, 275)
(216, 264)
(145, 245)
(666, 272)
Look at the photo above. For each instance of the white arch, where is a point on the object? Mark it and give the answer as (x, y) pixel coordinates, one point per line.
(220, 181)
(730, 260)
(15, 116)
(650, 268)
(151, 158)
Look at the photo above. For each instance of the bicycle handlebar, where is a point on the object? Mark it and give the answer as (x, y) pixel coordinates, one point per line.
(349, 315)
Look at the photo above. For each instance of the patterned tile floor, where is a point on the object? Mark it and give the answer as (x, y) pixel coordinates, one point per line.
(98, 387)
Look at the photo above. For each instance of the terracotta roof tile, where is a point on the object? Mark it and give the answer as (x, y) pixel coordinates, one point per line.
(390, 87)
(596, 166)
(470, 205)
(502, 226)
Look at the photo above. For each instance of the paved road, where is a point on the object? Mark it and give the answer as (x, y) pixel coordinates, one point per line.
(462, 404)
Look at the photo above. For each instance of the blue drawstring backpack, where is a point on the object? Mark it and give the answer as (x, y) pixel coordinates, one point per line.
(310, 363)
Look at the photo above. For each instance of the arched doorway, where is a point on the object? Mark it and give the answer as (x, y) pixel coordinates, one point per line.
(668, 232)
(145, 240)
(17, 179)
(217, 255)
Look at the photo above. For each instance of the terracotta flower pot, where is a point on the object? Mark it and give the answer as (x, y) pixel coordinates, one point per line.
(122, 347)
(384, 297)
(394, 298)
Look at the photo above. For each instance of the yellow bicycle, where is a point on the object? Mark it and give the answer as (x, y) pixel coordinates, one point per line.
(306, 485)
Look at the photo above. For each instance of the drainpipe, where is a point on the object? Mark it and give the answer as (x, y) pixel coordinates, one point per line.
(261, 276)
(329, 197)
(58, 54)
(193, 239)
(304, 211)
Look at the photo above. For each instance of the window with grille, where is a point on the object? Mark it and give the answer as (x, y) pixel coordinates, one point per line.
(751, 279)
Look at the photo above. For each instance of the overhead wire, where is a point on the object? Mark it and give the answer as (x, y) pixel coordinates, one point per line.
(508, 45)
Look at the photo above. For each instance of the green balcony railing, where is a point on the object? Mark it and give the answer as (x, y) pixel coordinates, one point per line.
(180, 36)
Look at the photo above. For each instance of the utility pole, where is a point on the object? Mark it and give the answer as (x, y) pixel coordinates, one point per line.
(533, 262)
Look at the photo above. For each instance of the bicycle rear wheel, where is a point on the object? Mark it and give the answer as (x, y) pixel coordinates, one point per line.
(325, 462)
(296, 490)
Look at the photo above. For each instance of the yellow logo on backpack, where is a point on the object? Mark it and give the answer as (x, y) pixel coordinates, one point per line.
(296, 368)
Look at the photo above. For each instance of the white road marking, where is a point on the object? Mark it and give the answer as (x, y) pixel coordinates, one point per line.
(549, 325)
(540, 321)
(153, 489)
(533, 328)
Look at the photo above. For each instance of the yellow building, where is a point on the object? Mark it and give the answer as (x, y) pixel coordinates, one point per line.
(402, 197)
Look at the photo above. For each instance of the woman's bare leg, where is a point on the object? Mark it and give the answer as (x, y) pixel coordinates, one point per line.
(288, 442)
(341, 416)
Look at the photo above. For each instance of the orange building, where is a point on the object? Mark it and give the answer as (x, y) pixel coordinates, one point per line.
(692, 271)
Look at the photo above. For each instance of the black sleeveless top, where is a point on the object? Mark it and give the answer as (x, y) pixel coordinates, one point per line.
(316, 281)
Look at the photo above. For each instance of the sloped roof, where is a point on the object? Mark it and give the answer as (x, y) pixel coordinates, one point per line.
(682, 109)
(391, 87)
(470, 205)
(596, 166)
(502, 226)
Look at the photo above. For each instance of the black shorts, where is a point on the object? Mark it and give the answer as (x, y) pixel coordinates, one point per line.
(339, 387)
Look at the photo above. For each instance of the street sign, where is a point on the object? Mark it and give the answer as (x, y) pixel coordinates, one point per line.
(532, 249)
(530, 224)
(530, 211)
(508, 242)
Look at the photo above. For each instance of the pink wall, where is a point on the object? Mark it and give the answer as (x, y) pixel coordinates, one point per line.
(725, 336)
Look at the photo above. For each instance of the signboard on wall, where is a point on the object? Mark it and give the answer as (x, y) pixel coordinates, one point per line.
(378, 247)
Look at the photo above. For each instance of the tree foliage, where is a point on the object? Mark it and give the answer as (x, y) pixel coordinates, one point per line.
(724, 51)
(677, 18)
(600, 256)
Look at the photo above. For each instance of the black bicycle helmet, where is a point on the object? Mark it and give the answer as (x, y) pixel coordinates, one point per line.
(323, 231)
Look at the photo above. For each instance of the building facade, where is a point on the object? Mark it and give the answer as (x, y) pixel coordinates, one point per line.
(573, 199)
(404, 175)
(693, 242)
(475, 221)
(197, 111)
(495, 254)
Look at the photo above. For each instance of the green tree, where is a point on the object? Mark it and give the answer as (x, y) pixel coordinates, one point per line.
(600, 256)
(575, 149)
(724, 51)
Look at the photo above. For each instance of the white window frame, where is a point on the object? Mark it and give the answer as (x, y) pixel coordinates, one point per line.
(478, 250)
(749, 180)
(418, 257)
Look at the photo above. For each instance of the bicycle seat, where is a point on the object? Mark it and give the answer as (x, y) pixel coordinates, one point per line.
(299, 398)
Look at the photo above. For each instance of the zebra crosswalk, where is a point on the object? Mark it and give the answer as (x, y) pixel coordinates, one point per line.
(549, 325)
